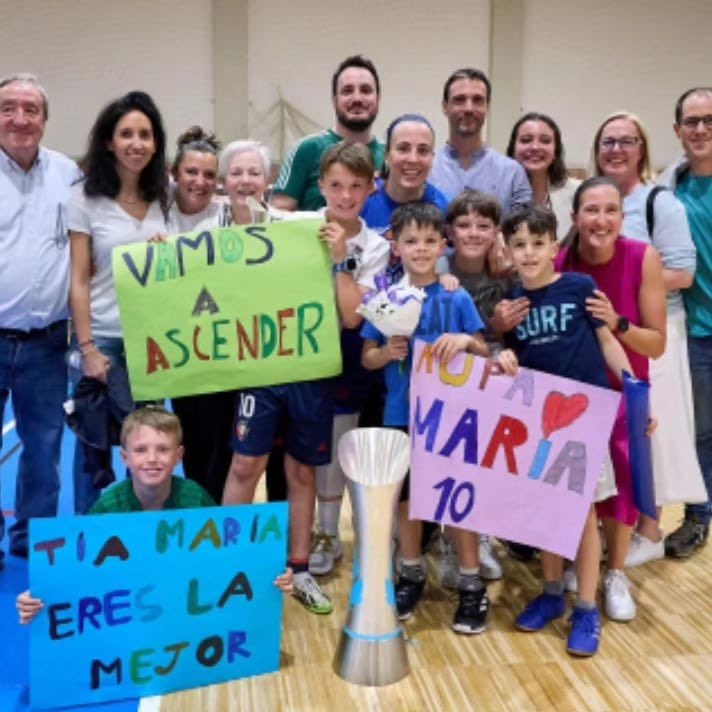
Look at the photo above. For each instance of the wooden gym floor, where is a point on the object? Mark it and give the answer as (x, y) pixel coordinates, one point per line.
(660, 661)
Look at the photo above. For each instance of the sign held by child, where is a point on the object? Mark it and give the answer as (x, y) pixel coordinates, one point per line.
(514, 457)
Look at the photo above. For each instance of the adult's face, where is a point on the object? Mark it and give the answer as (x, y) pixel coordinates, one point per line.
(22, 121)
(620, 151)
(535, 146)
(410, 155)
(245, 178)
(599, 217)
(694, 130)
(356, 100)
(196, 179)
(466, 107)
(132, 143)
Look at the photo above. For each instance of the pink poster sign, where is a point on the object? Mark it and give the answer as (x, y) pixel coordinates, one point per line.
(517, 457)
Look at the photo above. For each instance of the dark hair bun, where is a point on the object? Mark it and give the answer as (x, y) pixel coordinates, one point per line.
(196, 134)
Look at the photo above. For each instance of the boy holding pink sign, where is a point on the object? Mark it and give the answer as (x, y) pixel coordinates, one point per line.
(559, 336)
(449, 321)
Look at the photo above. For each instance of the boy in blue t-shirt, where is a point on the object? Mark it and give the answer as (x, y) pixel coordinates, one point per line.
(450, 322)
(559, 336)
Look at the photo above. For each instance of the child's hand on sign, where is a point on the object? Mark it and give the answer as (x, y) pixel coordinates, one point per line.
(28, 607)
(285, 582)
(448, 345)
(396, 348)
(506, 361)
(335, 238)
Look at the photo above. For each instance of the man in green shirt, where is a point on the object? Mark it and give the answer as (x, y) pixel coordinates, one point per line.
(355, 94)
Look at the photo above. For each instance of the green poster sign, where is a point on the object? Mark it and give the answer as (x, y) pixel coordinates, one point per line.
(227, 308)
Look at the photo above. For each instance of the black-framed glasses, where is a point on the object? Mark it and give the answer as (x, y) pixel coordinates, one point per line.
(690, 123)
(626, 143)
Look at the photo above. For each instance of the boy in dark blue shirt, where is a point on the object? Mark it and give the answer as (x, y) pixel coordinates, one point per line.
(559, 336)
(449, 321)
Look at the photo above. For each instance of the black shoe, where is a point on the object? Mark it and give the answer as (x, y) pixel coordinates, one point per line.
(471, 614)
(520, 552)
(408, 593)
(690, 535)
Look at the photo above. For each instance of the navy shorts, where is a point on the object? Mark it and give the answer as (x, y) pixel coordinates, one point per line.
(301, 413)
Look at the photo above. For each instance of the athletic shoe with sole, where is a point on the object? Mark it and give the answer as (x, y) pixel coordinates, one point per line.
(490, 565)
(326, 550)
(642, 550)
(585, 633)
(620, 605)
(541, 611)
(690, 535)
(308, 592)
(408, 593)
(471, 614)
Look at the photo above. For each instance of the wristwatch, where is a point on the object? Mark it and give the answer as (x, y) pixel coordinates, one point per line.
(348, 265)
(622, 325)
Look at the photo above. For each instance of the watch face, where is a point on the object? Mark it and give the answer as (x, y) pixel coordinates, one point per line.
(351, 264)
(623, 325)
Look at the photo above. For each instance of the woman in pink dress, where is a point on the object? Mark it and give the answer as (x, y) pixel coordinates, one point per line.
(631, 301)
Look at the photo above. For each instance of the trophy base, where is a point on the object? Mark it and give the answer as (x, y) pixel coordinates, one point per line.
(372, 661)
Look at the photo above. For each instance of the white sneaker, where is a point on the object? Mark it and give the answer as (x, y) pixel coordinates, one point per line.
(325, 551)
(308, 592)
(570, 579)
(448, 567)
(620, 605)
(642, 550)
(490, 565)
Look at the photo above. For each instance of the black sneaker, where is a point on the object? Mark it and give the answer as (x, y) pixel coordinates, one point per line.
(690, 535)
(408, 593)
(520, 552)
(471, 614)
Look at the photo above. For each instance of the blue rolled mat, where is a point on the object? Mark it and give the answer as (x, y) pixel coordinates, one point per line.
(637, 401)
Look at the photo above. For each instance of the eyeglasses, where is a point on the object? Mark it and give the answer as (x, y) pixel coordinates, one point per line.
(690, 123)
(627, 143)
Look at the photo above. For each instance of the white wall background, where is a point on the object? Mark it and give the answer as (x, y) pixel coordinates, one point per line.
(415, 44)
(87, 52)
(585, 60)
(580, 59)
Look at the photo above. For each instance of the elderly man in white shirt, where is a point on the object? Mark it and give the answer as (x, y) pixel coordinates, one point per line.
(34, 285)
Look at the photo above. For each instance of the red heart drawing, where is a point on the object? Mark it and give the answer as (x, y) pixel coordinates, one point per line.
(560, 411)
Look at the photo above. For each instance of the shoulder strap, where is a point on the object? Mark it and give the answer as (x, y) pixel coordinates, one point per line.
(650, 209)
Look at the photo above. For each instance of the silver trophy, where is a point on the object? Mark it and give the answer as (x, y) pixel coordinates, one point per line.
(372, 647)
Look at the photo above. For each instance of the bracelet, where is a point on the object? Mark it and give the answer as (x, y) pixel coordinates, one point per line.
(85, 352)
(86, 343)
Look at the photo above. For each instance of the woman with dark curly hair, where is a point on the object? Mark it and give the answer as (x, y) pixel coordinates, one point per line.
(122, 200)
(536, 143)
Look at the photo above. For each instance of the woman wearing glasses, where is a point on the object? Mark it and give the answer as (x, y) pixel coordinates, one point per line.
(621, 152)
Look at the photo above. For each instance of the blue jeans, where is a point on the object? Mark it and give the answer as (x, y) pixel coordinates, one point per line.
(85, 493)
(34, 374)
(700, 354)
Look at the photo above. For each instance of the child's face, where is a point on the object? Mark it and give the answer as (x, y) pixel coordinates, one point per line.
(419, 249)
(344, 192)
(533, 256)
(472, 235)
(151, 455)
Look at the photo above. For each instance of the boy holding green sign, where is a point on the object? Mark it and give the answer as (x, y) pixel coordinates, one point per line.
(303, 412)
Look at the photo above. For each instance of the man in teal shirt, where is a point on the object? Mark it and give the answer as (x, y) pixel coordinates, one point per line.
(355, 94)
(691, 179)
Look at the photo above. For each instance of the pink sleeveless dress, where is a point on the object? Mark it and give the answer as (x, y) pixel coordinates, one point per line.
(620, 279)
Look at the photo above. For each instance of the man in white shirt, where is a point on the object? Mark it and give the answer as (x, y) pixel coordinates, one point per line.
(34, 285)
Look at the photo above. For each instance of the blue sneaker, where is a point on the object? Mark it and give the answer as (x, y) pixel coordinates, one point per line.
(585, 634)
(541, 611)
